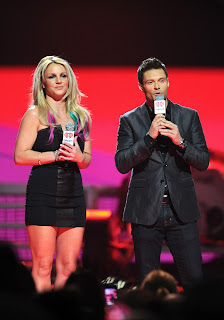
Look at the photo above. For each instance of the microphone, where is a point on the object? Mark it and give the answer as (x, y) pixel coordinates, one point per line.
(159, 105)
(68, 134)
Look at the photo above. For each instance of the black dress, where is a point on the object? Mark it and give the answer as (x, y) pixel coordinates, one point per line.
(55, 195)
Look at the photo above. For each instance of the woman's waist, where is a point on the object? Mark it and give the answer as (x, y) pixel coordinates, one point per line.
(57, 164)
(55, 179)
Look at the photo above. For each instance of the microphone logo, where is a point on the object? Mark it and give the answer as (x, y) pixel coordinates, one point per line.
(159, 105)
(68, 134)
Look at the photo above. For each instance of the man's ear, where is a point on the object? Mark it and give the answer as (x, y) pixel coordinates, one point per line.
(168, 82)
(140, 86)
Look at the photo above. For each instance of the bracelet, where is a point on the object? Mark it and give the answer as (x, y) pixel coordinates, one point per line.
(56, 155)
(39, 162)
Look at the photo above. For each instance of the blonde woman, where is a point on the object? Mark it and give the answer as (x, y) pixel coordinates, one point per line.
(55, 206)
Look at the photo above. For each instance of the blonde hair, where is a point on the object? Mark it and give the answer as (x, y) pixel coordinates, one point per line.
(72, 96)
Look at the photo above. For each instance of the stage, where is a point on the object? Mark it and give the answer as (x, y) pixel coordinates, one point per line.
(102, 253)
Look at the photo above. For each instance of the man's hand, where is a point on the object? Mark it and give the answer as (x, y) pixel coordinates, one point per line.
(169, 129)
(157, 124)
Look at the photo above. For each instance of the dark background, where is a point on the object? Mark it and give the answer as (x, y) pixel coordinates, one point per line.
(122, 33)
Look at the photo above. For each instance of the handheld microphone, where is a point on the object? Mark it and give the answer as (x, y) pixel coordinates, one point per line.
(159, 105)
(68, 134)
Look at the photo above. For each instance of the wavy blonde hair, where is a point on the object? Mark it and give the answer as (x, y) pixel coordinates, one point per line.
(72, 96)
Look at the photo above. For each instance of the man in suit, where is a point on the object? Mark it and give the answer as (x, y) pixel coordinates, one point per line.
(161, 202)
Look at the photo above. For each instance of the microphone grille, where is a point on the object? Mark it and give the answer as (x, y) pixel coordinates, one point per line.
(159, 98)
(70, 126)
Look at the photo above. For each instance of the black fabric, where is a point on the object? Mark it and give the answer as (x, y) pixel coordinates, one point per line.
(182, 240)
(152, 220)
(162, 141)
(55, 195)
(149, 169)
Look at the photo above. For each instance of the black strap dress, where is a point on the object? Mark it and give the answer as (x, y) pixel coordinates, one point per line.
(55, 195)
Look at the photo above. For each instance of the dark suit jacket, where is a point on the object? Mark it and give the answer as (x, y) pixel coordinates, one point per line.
(146, 187)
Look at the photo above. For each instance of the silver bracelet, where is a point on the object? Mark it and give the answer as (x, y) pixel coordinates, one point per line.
(56, 155)
(39, 162)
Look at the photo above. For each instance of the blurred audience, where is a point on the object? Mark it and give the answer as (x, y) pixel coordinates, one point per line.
(205, 299)
(83, 296)
(159, 283)
(90, 291)
(17, 289)
(15, 277)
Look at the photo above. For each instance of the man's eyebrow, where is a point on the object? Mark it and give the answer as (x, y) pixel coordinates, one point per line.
(155, 79)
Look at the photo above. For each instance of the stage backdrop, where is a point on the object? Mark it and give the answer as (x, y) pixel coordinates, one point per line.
(109, 92)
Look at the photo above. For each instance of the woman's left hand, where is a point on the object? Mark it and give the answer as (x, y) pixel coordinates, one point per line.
(67, 152)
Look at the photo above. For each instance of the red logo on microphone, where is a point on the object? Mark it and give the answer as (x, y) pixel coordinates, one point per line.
(68, 135)
(159, 104)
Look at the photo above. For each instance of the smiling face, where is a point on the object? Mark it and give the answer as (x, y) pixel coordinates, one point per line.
(155, 83)
(55, 81)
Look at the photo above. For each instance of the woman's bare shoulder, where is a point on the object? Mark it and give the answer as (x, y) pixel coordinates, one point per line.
(33, 111)
(31, 117)
(32, 114)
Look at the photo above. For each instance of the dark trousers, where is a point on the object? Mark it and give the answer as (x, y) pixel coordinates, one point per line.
(181, 238)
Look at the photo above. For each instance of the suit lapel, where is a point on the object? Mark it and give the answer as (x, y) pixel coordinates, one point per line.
(145, 116)
(175, 115)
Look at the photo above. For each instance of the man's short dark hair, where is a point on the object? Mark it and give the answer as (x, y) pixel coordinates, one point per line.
(148, 64)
